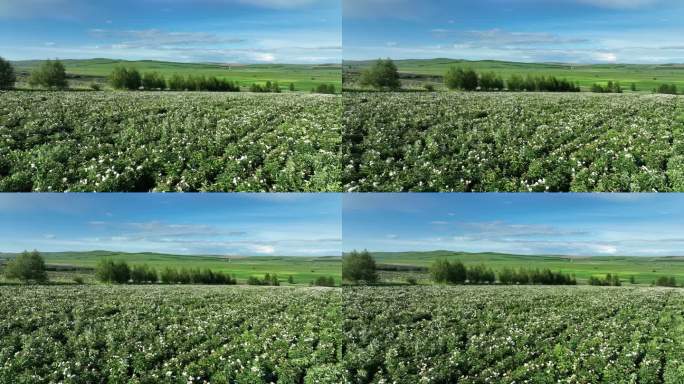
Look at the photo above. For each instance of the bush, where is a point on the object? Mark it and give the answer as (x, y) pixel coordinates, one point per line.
(142, 274)
(381, 75)
(290, 280)
(108, 271)
(668, 89)
(7, 75)
(610, 87)
(458, 78)
(429, 87)
(324, 281)
(124, 78)
(78, 280)
(95, 86)
(490, 81)
(411, 280)
(666, 281)
(480, 274)
(28, 266)
(443, 271)
(50, 74)
(292, 87)
(609, 280)
(267, 280)
(359, 267)
(325, 89)
(153, 80)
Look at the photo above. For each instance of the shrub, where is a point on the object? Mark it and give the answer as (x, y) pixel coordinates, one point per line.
(78, 280)
(609, 280)
(267, 280)
(142, 274)
(668, 89)
(480, 274)
(124, 78)
(7, 75)
(324, 281)
(292, 87)
(443, 271)
(666, 281)
(411, 280)
(95, 86)
(359, 267)
(153, 80)
(108, 271)
(290, 280)
(610, 87)
(429, 87)
(51, 74)
(383, 74)
(325, 89)
(27, 266)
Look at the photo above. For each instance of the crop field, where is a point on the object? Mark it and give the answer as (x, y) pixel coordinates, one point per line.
(170, 335)
(305, 77)
(512, 142)
(124, 141)
(513, 335)
(644, 270)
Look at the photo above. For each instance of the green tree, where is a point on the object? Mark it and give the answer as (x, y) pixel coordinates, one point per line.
(383, 74)
(28, 266)
(453, 79)
(443, 271)
(292, 87)
(7, 75)
(108, 271)
(51, 74)
(359, 266)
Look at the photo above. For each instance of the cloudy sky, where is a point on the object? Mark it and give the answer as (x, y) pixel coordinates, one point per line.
(217, 224)
(575, 31)
(558, 224)
(229, 31)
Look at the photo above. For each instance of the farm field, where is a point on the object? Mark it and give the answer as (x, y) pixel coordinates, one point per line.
(644, 269)
(512, 142)
(513, 335)
(646, 77)
(165, 334)
(303, 269)
(304, 77)
(145, 141)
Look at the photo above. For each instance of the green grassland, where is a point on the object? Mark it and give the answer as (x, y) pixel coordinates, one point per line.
(645, 76)
(644, 269)
(304, 77)
(65, 265)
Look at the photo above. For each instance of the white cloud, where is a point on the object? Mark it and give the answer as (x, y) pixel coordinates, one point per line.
(268, 249)
(265, 57)
(619, 4)
(606, 56)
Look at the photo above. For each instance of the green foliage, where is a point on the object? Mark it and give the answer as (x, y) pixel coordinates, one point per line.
(27, 266)
(142, 274)
(443, 271)
(610, 87)
(359, 267)
(668, 89)
(292, 87)
(267, 280)
(666, 281)
(51, 75)
(490, 81)
(383, 74)
(95, 86)
(217, 142)
(78, 280)
(153, 81)
(511, 142)
(324, 281)
(125, 78)
(609, 280)
(7, 74)
(269, 87)
(459, 78)
(204, 276)
(170, 334)
(324, 89)
(114, 272)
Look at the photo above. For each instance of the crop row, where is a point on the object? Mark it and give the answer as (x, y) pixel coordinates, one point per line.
(512, 142)
(513, 335)
(169, 335)
(89, 141)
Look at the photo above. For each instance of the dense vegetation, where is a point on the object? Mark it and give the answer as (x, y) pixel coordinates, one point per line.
(469, 80)
(478, 334)
(168, 142)
(359, 267)
(512, 142)
(51, 75)
(7, 75)
(27, 267)
(169, 334)
(120, 272)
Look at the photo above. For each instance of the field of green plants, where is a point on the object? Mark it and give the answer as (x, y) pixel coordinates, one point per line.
(122, 141)
(170, 335)
(512, 142)
(513, 335)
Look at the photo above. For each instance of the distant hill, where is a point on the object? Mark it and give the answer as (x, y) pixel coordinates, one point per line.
(645, 76)
(644, 268)
(304, 76)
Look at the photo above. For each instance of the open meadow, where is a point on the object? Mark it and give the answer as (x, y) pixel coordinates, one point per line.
(171, 141)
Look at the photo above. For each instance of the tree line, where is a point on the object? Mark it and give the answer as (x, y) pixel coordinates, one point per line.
(470, 80)
(51, 74)
(445, 272)
(119, 272)
(131, 79)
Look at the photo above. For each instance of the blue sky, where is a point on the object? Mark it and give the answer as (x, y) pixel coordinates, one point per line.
(227, 31)
(217, 224)
(574, 31)
(565, 224)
